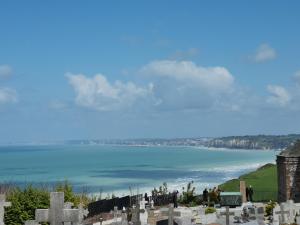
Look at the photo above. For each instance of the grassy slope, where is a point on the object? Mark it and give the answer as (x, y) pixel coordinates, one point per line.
(263, 181)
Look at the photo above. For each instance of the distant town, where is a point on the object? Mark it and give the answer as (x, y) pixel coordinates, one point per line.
(266, 142)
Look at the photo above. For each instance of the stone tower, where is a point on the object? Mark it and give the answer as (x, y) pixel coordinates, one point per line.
(288, 169)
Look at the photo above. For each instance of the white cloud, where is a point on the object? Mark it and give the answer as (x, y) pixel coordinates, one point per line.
(98, 93)
(8, 95)
(217, 79)
(5, 71)
(181, 85)
(264, 53)
(279, 95)
(296, 77)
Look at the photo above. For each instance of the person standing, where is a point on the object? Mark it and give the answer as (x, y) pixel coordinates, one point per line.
(175, 199)
(205, 196)
(251, 192)
(247, 194)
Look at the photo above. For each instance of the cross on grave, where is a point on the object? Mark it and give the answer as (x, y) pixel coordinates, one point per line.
(3, 204)
(170, 213)
(57, 215)
(143, 203)
(282, 213)
(136, 215)
(227, 214)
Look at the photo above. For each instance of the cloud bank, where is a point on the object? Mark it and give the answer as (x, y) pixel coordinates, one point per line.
(98, 93)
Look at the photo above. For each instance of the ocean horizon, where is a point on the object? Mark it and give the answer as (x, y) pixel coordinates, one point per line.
(112, 169)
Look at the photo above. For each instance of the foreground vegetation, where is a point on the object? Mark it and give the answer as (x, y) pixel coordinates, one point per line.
(263, 181)
(25, 201)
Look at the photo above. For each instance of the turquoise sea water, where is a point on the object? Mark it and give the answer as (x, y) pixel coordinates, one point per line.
(115, 168)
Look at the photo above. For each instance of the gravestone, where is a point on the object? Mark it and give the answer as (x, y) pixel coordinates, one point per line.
(170, 213)
(283, 215)
(124, 218)
(3, 204)
(143, 204)
(82, 212)
(68, 205)
(227, 213)
(257, 214)
(136, 215)
(231, 199)
(57, 214)
(298, 220)
(243, 191)
(115, 215)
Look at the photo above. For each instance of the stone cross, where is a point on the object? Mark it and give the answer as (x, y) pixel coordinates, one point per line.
(227, 214)
(143, 204)
(136, 215)
(282, 213)
(170, 214)
(57, 215)
(3, 204)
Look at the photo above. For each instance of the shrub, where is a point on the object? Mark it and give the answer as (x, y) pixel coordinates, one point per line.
(188, 196)
(269, 208)
(209, 210)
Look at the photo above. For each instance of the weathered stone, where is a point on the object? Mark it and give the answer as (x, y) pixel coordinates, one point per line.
(57, 215)
(3, 204)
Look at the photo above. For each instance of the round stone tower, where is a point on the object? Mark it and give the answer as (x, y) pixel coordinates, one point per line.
(288, 170)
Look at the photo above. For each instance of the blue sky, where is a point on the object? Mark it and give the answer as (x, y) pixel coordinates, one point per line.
(133, 69)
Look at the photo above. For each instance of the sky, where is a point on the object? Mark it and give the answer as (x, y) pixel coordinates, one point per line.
(148, 69)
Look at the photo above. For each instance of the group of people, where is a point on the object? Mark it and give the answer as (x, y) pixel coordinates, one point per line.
(211, 195)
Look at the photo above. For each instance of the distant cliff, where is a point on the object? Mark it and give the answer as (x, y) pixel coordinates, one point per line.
(254, 142)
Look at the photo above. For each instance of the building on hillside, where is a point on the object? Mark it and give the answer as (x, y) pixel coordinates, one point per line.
(288, 172)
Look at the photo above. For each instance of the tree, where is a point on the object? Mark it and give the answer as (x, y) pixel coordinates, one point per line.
(24, 202)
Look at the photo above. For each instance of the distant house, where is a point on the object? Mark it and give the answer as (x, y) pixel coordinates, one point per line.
(288, 169)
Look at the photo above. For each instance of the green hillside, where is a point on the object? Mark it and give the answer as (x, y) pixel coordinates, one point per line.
(263, 181)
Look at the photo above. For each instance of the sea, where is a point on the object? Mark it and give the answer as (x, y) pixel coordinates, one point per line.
(120, 170)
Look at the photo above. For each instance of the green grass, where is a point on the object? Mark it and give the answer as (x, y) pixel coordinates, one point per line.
(263, 181)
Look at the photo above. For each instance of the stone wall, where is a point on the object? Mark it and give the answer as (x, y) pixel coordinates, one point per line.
(288, 169)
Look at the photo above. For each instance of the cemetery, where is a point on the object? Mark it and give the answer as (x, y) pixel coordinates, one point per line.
(63, 207)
